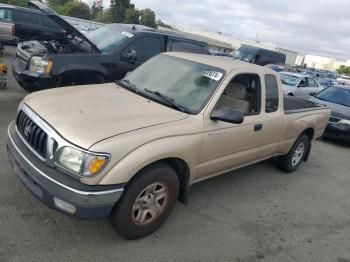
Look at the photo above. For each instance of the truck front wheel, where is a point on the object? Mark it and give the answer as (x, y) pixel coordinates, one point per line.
(290, 162)
(146, 202)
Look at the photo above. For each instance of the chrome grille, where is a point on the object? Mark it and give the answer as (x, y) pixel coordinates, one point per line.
(32, 133)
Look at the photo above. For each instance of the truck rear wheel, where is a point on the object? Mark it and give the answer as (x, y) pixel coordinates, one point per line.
(290, 162)
(146, 202)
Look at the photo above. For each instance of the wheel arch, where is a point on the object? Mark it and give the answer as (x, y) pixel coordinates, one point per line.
(182, 170)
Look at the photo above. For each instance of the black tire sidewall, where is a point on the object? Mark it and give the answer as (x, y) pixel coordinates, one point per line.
(121, 215)
(286, 161)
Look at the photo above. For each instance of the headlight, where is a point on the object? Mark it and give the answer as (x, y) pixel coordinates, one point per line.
(344, 121)
(80, 162)
(40, 65)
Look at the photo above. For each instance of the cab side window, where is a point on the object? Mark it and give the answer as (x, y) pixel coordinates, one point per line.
(271, 97)
(303, 82)
(181, 46)
(5, 15)
(26, 18)
(146, 47)
(243, 94)
(312, 82)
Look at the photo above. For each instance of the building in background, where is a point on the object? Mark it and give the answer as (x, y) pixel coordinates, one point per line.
(324, 63)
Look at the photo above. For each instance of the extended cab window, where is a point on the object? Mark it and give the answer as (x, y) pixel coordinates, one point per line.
(5, 15)
(243, 94)
(146, 47)
(178, 46)
(271, 97)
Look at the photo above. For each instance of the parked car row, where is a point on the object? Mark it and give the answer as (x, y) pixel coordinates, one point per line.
(103, 55)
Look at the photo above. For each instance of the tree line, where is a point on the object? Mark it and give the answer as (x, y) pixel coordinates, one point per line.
(344, 70)
(120, 11)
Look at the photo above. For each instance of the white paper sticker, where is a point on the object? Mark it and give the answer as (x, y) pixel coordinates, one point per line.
(213, 75)
(127, 34)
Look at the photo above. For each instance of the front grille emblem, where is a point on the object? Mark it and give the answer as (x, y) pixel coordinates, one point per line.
(27, 130)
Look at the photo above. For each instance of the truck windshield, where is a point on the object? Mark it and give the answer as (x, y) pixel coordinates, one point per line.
(289, 80)
(108, 38)
(244, 56)
(175, 81)
(336, 95)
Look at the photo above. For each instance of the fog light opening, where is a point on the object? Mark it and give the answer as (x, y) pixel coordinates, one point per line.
(65, 206)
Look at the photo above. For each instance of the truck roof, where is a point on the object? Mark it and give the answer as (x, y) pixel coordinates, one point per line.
(226, 63)
(136, 28)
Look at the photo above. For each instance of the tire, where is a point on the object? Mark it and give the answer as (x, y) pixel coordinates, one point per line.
(291, 161)
(149, 213)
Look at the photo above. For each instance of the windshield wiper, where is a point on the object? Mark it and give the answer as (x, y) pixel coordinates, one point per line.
(167, 99)
(128, 84)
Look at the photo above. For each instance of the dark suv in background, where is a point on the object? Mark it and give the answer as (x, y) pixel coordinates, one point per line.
(30, 23)
(104, 55)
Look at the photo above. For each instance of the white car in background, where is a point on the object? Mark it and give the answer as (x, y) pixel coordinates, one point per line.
(299, 85)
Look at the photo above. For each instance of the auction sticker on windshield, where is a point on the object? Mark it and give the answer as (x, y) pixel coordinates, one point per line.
(213, 75)
(127, 34)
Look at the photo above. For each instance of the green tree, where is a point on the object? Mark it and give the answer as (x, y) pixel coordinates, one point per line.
(118, 8)
(162, 24)
(15, 2)
(344, 70)
(104, 16)
(132, 16)
(148, 18)
(97, 6)
(74, 9)
(55, 3)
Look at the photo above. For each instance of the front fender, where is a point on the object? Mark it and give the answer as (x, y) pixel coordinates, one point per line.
(186, 148)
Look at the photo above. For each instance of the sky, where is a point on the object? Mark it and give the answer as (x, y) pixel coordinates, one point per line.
(312, 27)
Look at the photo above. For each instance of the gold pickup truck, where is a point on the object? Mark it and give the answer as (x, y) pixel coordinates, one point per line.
(129, 150)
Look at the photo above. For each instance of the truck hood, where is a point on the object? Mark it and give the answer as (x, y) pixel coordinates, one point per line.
(85, 115)
(63, 23)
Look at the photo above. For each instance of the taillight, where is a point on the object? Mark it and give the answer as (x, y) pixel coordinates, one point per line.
(13, 30)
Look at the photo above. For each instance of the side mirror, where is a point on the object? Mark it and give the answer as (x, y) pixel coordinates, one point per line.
(227, 114)
(130, 56)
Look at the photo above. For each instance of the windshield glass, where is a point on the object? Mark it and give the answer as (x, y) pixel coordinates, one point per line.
(107, 38)
(289, 80)
(336, 95)
(244, 56)
(187, 84)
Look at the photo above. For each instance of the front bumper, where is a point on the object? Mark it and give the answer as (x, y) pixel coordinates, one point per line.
(56, 189)
(31, 81)
(339, 132)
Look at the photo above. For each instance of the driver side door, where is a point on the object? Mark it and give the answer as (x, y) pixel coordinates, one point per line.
(303, 89)
(227, 145)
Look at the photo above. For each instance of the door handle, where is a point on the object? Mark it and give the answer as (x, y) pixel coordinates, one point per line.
(257, 127)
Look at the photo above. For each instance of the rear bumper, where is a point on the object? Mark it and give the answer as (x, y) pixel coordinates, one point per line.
(338, 132)
(56, 189)
(31, 81)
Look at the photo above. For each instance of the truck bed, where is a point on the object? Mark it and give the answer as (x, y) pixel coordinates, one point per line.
(295, 105)
(6, 32)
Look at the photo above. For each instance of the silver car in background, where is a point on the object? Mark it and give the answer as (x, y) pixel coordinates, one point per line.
(299, 85)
